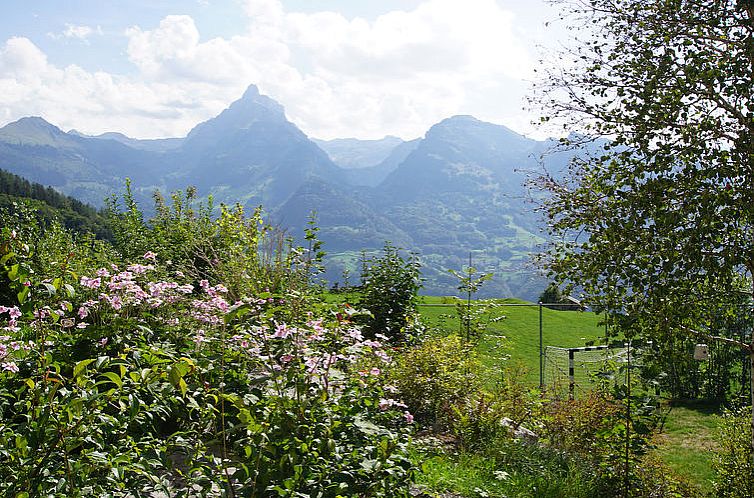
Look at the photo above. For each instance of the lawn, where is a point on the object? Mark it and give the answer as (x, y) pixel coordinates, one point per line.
(687, 440)
(516, 336)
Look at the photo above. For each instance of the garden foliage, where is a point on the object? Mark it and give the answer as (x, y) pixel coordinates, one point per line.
(734, 463)
(390, 284)
(188, 362)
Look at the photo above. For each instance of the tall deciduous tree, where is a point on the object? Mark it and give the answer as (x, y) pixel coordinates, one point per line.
(657, 226)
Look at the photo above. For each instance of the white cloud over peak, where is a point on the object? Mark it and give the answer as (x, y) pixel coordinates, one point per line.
(336, 76)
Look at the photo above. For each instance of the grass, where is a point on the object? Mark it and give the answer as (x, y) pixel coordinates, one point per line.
(517, 335)
(476, 475)
(687, 440)
(466, 474)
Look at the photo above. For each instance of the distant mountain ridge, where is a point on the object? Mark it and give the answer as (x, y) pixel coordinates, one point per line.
(458, 190)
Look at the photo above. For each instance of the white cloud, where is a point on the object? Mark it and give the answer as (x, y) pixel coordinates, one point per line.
(397, 74)
(95, 102)
(81, 33)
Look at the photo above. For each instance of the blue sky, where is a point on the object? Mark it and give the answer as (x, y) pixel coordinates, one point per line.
(361, 68)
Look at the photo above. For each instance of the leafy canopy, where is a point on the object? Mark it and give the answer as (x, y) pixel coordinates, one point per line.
(660, 218)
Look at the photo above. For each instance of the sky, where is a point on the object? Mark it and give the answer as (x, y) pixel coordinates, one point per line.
(341, 68)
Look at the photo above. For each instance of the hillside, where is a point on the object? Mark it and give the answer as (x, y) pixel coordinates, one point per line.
(50, 204)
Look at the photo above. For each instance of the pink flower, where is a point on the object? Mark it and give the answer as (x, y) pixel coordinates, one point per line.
(92, 283)
(311, 364)
(221, 304)
(14, 313)
(150, 256)
(409, 418)
(384, 404)
(199, 337)
(139, 269)
(382, 355)
(281, 332)
(375, 371)
(83, 312)
(185, 289)
(10, 366)
(115, 302)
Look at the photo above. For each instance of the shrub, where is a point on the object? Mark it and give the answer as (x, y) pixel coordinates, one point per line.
(579, 425)
(389, 287)
(734, 461)
(131, 379)
(436, 376)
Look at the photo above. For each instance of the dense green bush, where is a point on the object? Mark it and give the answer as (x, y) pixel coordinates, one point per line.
(734, 461)
(389, 287)
(437, 377)
(125, 377)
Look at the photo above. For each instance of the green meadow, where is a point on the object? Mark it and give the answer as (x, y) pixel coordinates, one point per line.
(513, 326)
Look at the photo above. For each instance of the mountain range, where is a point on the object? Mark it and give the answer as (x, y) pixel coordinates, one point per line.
(455, 192)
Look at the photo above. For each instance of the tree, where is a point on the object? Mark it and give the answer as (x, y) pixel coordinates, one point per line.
(657, 223)
(389, 287)
(470, 280)
(554, 299)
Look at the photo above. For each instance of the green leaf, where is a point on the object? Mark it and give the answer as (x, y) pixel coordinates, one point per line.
(23, 295)
(5, 258)
(114, 378)
(81, 367)
(69, 290)
(13, 273)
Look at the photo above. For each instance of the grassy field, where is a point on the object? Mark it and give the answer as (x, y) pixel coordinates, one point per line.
(517, 334)
(687, 440)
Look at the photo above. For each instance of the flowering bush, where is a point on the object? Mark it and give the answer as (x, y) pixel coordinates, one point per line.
(129, 379)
